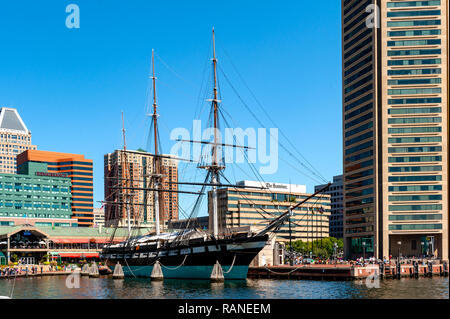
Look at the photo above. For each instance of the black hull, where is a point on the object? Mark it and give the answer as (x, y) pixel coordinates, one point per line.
(194, 260)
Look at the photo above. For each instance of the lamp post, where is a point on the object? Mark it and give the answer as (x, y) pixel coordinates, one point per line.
(422, 244)
(335, 251)
(364, 250)
(431, 247)
(399, 245)
(291, 261)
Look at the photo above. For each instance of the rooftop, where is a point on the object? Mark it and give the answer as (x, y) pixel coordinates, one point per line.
(10, 120)
(59, 232)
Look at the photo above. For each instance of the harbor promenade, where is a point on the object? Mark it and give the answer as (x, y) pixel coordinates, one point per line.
(39, 270)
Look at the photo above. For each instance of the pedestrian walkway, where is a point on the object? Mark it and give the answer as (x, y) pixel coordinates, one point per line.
(9, 272)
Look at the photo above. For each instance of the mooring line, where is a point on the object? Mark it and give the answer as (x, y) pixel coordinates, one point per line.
(176, 266)
(130, 268)
(281, 273)
(232, 264)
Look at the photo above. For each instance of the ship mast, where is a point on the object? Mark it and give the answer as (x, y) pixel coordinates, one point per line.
(124, 177)
(156, 173)
(215, 167)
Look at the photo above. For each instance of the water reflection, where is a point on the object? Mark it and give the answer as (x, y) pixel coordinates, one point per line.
(101, 288)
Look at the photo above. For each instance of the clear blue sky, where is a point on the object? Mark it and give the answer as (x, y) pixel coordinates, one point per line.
(70, 85)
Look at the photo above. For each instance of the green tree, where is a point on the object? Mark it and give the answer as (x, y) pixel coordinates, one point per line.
(322, 247)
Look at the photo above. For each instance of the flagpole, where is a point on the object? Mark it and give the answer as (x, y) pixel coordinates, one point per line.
(321, 227)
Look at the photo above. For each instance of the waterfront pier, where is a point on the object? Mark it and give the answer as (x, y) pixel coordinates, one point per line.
(37, 274)
(329, 272)
(347, 272)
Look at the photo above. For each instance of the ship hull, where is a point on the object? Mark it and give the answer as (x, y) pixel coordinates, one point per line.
(194, 261)
(187, 272)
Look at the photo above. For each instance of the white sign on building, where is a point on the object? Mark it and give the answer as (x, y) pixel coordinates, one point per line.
(288, 188)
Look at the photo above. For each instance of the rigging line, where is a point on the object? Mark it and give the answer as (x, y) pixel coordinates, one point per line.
(203, 105)
(254, 116)
(185, 166)
(250, 200)
(219, 109)
(265, 112)
(240, 191)
(160, 149)
(206, 79)
(182, 92)
(194, 211)
(279, 220)
(132, 136)
(185, 214)
(202, 91)
(252, 167)
(303, 173)
(259, 178)
(298, 225)
(258, 209)
(244, 172)
(295, 223)
(245, 154)
(282, 159)
(175, 73)
(149, 135)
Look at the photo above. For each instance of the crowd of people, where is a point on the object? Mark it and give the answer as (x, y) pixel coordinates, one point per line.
(23, 270)
(305, 260)
(301, 260)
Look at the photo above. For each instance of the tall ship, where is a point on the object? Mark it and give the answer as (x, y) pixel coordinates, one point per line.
(192, 252)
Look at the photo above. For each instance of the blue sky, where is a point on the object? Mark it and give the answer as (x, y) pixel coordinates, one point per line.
(70, 85)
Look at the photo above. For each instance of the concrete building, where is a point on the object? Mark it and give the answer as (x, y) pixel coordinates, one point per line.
(31, 243)
(336, 192)
(35, 197)
(14, 139)
(395, 120)
(78, 169)
(271, 255)
(255, 208)
(198, 222)
(99, 217)
(141, 167)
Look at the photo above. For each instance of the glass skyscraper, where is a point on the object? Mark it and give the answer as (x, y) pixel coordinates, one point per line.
(395, 127)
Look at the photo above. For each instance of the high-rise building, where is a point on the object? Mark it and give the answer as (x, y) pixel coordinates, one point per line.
(99, 217)
(336, 192)
(14, 139)
(80, 172)
(255, 208)
(138, 174)
(35, 196)
(395, 122)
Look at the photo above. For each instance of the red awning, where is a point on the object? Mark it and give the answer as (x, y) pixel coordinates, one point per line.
(84, 240)
(71, 240)
(107, 241)
(79, 255)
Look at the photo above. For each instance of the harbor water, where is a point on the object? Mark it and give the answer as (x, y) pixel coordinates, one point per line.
(54, 287)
